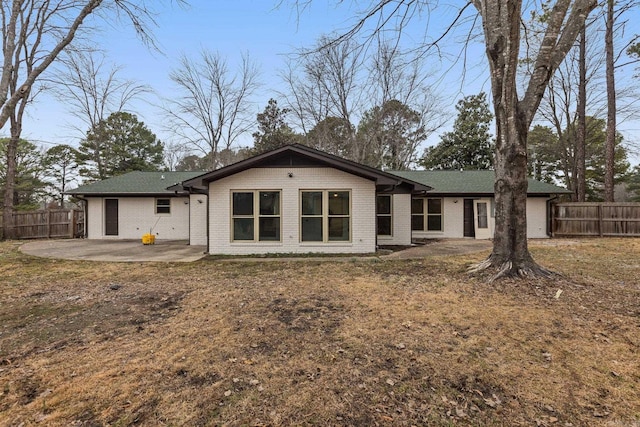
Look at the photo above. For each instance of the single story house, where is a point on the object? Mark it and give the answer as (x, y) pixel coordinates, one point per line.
(296, 199)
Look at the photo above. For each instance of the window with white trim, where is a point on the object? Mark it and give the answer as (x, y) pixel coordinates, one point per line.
(482, 215)
(426, 214)
(163, 206)
(249, 224)
(325, 216)
(383, 215)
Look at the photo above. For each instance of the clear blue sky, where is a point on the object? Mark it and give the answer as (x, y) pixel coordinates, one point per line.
(233, 28)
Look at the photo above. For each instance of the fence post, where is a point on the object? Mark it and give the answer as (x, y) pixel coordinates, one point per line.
(600, 219)
(72, 223)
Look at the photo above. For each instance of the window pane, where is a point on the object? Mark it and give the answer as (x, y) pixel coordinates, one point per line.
(338, 229)
(163, 206)
(312, 203)
(269, 203)
(269, 229)
(338, 203)
(482, 215)
(311, 229)
(417, 206)
(242, 204)
(434, 223)
(243, 229)
(384, 226)
(417, 222)
(434, 206)
(383, 204)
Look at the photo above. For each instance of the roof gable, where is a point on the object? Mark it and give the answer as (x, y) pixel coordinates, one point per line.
(474, 182)
(297, 155)
(135, 183)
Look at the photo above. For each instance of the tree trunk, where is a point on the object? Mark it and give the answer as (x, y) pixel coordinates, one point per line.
(610, 143)
(581, 134)
(9, 188)
(510, 256)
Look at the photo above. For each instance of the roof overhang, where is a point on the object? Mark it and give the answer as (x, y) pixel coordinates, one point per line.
(300, 156)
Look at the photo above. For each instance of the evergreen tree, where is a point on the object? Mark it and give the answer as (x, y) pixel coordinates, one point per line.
(331, 135)
(29, 188)
(392, 132)
(552, 158)
(273, 130)
(118, 145)
(60, 165)
(469, 146)
(633, 184)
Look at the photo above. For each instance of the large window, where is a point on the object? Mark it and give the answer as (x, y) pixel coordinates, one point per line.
(163, 206)
(426, 214)
(250, 224)
(325, 216)
(383, 215)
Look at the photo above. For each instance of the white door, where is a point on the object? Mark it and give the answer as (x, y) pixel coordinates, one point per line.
(482, 219)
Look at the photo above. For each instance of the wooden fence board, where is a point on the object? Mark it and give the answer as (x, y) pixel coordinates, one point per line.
(596, 219)
(53, 223)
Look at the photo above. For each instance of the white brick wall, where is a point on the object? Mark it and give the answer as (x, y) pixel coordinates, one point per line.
(453, 219)
(136, 216)
(198, 220)
(401, 218)
(537, 218)
(362, 210)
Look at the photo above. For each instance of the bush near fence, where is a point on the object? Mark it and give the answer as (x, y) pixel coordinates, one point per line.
(598, 219)
(51, 223)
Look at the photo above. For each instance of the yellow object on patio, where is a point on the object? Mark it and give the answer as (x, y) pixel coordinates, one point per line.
(148, 239)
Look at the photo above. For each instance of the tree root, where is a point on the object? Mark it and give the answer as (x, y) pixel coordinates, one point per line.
(522, 270)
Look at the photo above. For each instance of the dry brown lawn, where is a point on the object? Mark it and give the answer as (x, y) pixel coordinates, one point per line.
(393, 343)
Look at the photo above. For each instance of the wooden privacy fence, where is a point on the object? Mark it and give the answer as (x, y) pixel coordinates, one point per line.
(54, 223)
(595, 219)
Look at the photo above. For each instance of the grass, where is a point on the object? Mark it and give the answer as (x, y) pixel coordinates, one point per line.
(322, 343)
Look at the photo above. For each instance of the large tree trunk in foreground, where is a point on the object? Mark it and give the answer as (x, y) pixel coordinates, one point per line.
(581, 132)
(501, 24)
(610, 144)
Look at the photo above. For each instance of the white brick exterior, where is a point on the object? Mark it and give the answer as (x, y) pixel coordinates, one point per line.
(198, 220)
(453, 219)
(537, 218)
(401, 221)
(306, 178)
(136, 216)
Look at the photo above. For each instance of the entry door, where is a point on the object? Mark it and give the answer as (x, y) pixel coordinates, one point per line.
(469, 229)
(111, 217)
(483, 230)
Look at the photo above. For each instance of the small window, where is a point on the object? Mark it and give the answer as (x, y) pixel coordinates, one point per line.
(383, 215)
(163, 206)
(482, 215)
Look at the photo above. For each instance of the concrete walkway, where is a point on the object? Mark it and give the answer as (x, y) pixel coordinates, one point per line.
(114, 250)
(180, 251)
(442, 248)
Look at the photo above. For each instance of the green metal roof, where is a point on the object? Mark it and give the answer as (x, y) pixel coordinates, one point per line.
(470, 182)
(135, 183)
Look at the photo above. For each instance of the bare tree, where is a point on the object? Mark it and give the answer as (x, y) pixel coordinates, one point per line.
(327, 82)
(332, 86)
(91, 89)
(214, 106)
(34, 33)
